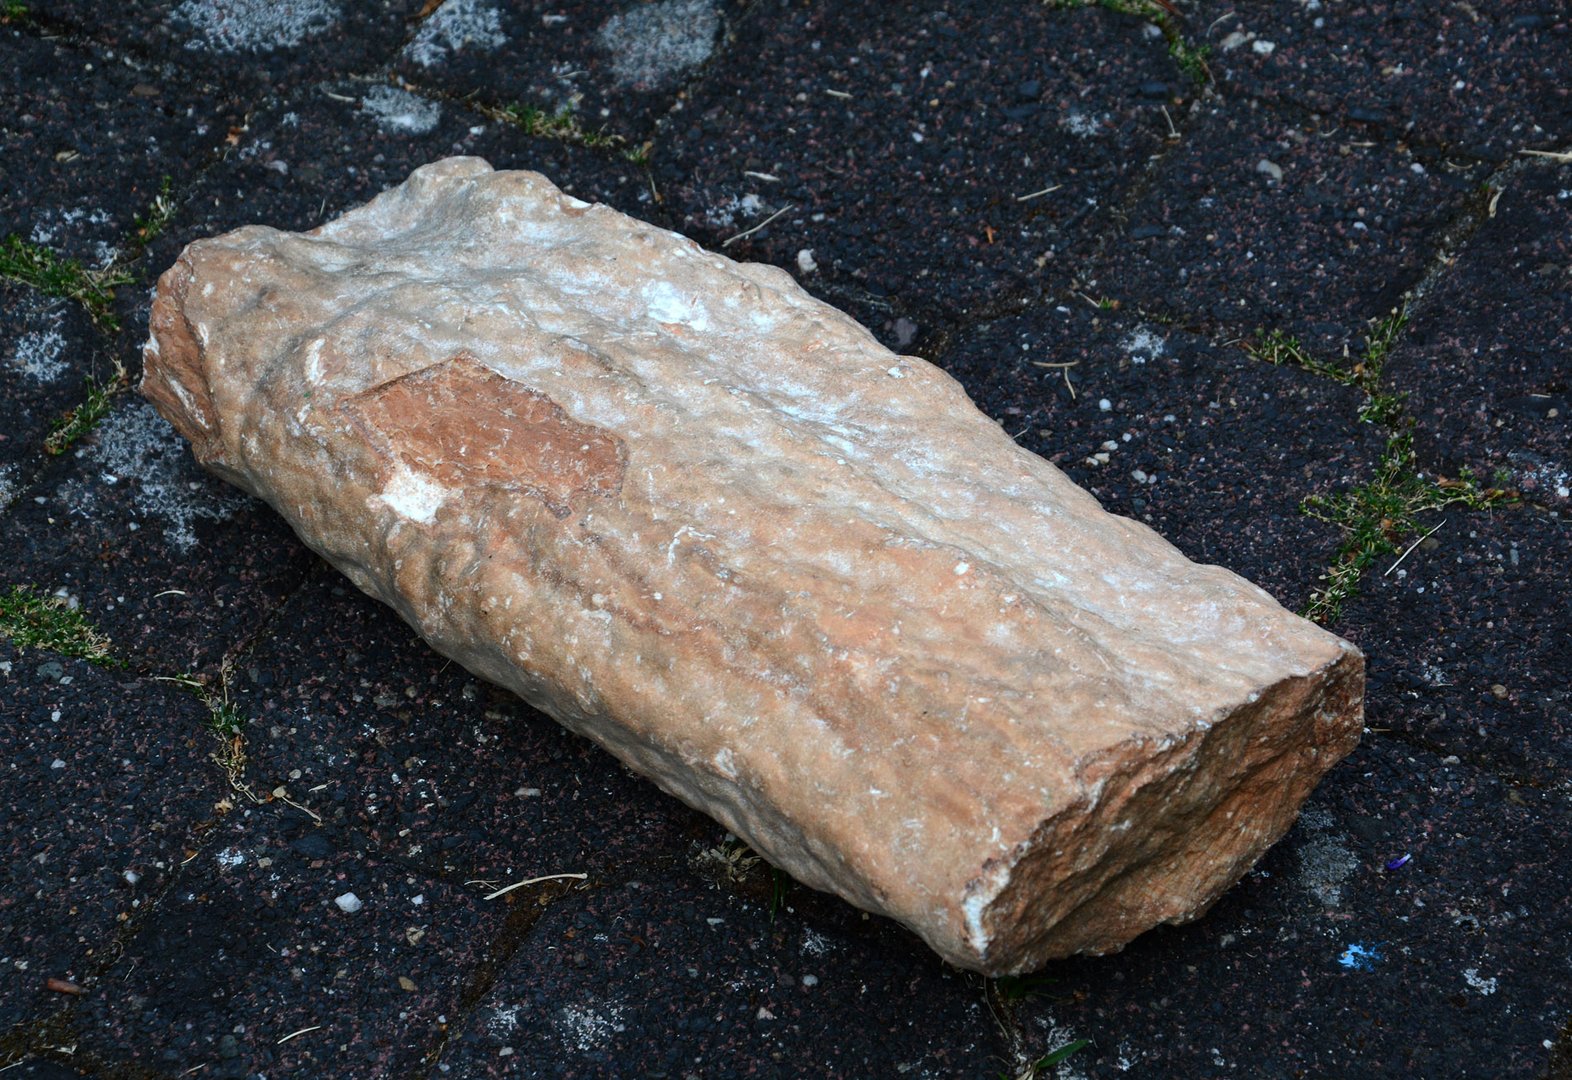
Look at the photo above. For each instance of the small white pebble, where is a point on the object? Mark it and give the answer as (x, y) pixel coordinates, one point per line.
(57, 764)
(1263, 47)
(1138, 475)
(810, 980)
(418, 899)
(348, 903)
(132, 877)
(805, 261)
(1105, 405)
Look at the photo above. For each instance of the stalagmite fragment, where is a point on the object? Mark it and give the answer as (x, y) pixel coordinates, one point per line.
(797, 580)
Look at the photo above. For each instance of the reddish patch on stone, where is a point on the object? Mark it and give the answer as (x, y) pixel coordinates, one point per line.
(463, 425)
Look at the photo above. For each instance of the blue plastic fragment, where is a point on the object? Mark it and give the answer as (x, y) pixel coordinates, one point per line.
(1360, 957)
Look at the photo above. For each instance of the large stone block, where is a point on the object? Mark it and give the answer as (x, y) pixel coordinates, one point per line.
(797, 580)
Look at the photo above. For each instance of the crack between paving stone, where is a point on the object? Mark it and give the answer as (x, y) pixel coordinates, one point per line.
(1448, 236)
(1484, 762)
(1392, 134)
(518, 927)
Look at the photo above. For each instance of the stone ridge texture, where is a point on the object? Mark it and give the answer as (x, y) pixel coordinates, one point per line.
(799, 581)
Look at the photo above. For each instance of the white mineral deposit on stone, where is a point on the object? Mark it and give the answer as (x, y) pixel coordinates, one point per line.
(254, 26)
(36, 355)
(800, 582)
(457, 26)
(399, 112)
(650, 45)
(136, 446)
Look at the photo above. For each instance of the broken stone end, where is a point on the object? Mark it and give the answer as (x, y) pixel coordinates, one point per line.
(1208, 807)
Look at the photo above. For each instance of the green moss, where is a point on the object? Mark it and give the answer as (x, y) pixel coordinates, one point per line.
(1190, 58)
(562, 125)
(29, 619)
(41, 268)
(1379, 517)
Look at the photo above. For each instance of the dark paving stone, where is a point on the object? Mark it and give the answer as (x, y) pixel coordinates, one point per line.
(43, 1069)
(1330, 245)
(104, 779)
(376, 732)
(1212, 448)
(1482, 604)
(90, 136)
(670, 976)
(251, 945)
(615, 66)
(174, 565)
(269, 43)
(903, 135)
(1484, 361)
(47, 349)
(1324, 963)
(1487, 78)
(334, 146)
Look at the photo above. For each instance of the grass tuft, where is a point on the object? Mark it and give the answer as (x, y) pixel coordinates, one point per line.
(69, 429)
(150, 224)
(1379, 517)
(1059, 1056)
(32, 620)
(1190, 58)
(225, 719)
(561, 125)
(41, 268)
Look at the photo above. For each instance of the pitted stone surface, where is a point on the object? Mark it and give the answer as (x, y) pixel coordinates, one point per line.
(796, 579)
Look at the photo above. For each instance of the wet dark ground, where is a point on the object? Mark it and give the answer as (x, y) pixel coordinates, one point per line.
(996, 187)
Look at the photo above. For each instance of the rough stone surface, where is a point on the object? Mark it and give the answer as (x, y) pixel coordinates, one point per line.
(1485, 363)
(1257, 222)
(271, 43)
(523, 422)
(175, 567)
(1460, 928)
(47, 349)
(585, 1004)
(76, 116)
(915, 147)
(105, 782)
(375, 732)
(1484, 79)
(250, 946)
(1211, 447)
